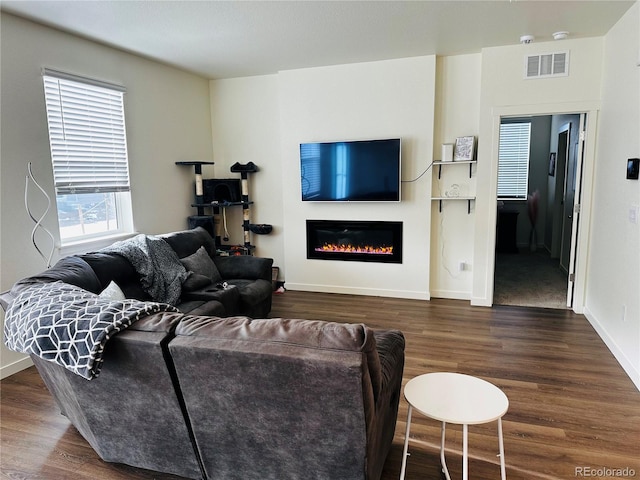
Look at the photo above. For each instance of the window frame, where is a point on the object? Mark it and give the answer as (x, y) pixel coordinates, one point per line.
(86, 126)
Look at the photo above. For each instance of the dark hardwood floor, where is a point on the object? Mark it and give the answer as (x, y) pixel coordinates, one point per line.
(572, 409)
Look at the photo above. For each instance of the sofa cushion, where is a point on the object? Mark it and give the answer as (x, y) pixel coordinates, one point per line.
(187, 242)
(110, 267)
(195, 281)
(72, 270)
(201, 307)
(229, 297)
(201, 263)
(254, 295)
(308, 333)
(244, 266)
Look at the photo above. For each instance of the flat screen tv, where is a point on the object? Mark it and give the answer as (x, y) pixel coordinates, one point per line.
(353, 171)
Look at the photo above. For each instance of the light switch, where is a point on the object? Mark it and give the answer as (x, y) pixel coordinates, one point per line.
(633, 214)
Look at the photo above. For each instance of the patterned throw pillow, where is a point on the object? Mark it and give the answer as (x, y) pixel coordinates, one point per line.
(202, 264)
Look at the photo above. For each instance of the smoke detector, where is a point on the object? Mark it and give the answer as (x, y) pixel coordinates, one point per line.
(526, 39)
(560, 35)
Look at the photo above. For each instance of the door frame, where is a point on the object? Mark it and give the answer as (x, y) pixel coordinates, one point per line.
(582, 238)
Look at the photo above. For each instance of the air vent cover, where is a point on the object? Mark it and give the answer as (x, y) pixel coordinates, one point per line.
(546, 65)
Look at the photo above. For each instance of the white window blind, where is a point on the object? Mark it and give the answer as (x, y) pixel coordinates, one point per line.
(87, 135)
(513, 160)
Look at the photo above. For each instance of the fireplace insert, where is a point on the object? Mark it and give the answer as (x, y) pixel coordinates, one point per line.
(354, 240)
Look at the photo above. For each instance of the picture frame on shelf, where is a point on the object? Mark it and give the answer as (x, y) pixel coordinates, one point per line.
(464, 149)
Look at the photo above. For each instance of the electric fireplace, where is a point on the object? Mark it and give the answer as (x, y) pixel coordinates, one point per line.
(354, 240)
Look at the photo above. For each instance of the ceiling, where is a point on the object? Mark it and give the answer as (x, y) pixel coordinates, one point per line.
(226, 39)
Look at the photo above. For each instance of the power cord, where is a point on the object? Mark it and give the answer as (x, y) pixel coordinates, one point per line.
(419, 176)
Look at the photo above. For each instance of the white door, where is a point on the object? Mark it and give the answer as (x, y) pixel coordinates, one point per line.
(574, 189)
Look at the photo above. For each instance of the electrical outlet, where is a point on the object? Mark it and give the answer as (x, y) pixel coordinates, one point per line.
(624, 313)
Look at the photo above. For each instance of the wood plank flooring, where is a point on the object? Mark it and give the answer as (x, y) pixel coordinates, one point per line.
(572, 408)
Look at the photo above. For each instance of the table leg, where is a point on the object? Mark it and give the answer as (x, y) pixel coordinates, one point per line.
(503, 471)
(465, 452)
(406, 444)
(443, 462)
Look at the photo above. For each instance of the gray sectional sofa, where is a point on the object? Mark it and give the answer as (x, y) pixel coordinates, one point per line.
(228, 397)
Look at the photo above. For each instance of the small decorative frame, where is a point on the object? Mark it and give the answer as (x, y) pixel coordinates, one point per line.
(464, 149)
(552, 164)
(633, 168)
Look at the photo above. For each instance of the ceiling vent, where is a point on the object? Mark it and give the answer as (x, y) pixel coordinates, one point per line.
(546, 65)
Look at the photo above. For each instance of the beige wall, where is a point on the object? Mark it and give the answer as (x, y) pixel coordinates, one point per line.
(505, 92)
(264, 119)
(246, 128)
(385, 99)
(167, 119)
(613, 303)
(452, 230)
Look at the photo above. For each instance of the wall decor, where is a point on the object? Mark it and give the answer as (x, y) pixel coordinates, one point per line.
(552, 164)
(633, 168)
(464, 149)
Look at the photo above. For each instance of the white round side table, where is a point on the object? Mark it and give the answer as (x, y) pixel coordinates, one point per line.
(455, 398)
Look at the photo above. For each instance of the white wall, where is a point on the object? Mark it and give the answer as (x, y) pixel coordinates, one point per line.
(613, 303)
(246, 128)
(385, 99)
(457, 109)
(167, 118)
(504, 92)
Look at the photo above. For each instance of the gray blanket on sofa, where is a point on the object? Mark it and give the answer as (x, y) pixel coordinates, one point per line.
(70, 326)
(160, 270)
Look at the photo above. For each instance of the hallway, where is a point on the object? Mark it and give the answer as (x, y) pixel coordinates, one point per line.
(530, 279)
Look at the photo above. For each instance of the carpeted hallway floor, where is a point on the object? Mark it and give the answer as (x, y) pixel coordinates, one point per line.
(531, 279)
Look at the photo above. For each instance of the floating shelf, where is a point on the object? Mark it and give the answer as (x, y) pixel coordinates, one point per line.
(458, 162)
(441, 199)
(220, 204)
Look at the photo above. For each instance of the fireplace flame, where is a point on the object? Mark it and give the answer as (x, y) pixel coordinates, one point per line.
(347, 248)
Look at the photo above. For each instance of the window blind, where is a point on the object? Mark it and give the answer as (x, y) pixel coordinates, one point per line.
(513, 160)
(87, 135)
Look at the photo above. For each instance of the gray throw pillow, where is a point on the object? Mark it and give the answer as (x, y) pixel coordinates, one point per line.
(195, 281)
(202, 264)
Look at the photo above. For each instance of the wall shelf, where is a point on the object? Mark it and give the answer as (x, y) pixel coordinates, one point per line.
(468, 199)
(458, 162)
(441, 199)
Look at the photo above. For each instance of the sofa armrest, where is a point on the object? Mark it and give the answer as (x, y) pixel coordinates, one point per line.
(390, 345)
(244, 266)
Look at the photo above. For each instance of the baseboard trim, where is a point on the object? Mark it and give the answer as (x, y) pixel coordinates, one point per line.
(371, 292)
(628, 366)
(451, 294)
(15, 367)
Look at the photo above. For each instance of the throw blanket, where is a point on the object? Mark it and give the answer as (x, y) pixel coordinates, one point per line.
(160, 270)
(70, 326)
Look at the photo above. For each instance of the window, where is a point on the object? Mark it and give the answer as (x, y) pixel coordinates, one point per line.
(89, 154)
(513, 160)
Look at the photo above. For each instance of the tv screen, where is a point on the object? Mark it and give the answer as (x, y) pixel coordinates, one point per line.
(355, 171)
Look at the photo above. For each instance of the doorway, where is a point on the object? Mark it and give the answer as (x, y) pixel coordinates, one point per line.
(535, 269)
